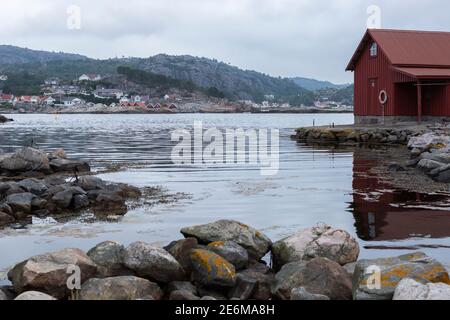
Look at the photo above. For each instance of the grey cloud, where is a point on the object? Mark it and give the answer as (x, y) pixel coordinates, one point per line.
(281, 37)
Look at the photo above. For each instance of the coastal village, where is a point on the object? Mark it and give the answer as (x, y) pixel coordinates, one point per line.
(88, 93)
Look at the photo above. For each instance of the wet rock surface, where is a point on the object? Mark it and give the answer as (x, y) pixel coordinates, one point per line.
(57, 189)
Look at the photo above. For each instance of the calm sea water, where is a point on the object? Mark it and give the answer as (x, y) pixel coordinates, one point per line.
(314, 184)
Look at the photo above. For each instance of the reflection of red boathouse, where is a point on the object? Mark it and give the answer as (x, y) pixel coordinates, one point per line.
(376, 217)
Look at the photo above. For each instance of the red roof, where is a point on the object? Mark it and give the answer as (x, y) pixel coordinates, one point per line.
(424, 73)
(408, 48)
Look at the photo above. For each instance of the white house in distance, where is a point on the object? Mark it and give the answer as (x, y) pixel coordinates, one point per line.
(90, 77)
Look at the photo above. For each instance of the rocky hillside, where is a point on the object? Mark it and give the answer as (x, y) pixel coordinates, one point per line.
(313, 84)
(16, 55)
(234, 82)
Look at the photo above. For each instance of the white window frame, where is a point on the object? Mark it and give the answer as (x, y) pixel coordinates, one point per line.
(374, 49)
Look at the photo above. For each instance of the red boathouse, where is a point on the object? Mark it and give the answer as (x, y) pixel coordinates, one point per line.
(401, 76)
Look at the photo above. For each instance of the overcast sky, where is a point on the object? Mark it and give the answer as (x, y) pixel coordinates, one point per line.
(311, 38)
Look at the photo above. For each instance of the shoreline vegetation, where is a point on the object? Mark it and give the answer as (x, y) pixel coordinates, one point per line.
(227, 259)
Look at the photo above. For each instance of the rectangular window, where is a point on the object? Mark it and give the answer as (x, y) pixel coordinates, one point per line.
(374, 50)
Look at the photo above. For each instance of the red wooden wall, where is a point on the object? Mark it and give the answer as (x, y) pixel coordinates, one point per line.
(368, 68)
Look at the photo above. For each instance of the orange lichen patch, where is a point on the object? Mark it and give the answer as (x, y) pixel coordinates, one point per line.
(437, 146)
(391, 278)
(215, 266)
(216, 244)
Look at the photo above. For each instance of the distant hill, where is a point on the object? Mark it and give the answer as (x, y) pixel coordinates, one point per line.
(313, 85)
(16, 55)
(207, 74)
(234, 82)
(344, 95)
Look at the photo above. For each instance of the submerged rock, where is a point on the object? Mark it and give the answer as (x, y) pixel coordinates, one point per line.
(391, 271)
(34, 295)
(320, 241)
(210, 269)
(49, 272)
(409, 289)
(152, 262)
(318, 276)
(255, 242)
(120, 288)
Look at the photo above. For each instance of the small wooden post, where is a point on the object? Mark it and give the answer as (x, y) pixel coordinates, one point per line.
(419, 102)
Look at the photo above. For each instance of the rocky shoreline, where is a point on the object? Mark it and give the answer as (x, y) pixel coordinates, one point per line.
(39, 184)
(224, 261)
(429, 147)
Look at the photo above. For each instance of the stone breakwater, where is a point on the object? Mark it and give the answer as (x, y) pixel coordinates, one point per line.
(224, 260)
(353, 135)
(429, 147)
(38, 184)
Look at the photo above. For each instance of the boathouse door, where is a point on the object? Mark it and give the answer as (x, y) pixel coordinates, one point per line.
(373, 107)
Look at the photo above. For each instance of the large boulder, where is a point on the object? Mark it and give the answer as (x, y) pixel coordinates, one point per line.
(210, 269)
(120, 288)
(318, 276)
(20, 202)
(90, 183)
(409, 289)
(232, 252)
(108, 256)
(429, 165)
(26, 159)
(152, 262)
(49, 272)
(254, 241)
(34, 186)
(181, 250)
(34, 295)
(377, 279)
(320, 241)
(253, 283)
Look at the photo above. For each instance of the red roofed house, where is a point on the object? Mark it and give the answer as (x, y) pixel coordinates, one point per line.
(401, 76)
